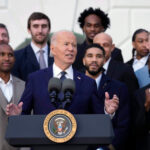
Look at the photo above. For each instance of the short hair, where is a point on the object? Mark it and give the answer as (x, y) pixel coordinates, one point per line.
(38, 16)
(94, 45)
(4, 26)
(98, 12)
(4, 44)
(134, 37)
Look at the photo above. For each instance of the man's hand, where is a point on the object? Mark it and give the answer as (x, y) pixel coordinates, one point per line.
(111, 105)
(13, 109)
(147, 99)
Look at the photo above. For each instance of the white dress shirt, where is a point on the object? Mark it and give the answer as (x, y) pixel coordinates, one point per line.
(139, 63)
(105, 66)
(37, 53)
(57, 72)
(7, 88)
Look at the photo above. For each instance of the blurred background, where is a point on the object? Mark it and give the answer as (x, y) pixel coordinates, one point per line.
(126, 16)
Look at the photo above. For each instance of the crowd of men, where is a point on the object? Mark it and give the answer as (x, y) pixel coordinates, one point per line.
(120, 90)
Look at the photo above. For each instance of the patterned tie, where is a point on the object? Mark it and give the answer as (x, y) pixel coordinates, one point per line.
(62, 78)
(41, 59)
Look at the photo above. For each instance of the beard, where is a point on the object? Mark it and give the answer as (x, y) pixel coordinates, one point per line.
(94, 72)
(40, 41)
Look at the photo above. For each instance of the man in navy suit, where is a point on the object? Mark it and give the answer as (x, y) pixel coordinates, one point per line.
(36, 95)
(93, 61)
(28, 58)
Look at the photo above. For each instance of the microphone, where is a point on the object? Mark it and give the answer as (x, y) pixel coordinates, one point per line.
(68, 88)
(54, 87)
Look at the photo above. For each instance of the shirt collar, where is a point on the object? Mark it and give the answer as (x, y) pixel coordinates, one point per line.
(10, 80)
(143, 60)
(57, 71)
(105, 66)
(98, 80)
(36, 49)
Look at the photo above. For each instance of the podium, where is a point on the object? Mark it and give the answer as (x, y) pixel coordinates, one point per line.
(27, 131)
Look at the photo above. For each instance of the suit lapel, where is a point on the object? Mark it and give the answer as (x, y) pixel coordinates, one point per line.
(110, 69)
(104, 86)
(32, 58)
(77, 78)
(3, 100)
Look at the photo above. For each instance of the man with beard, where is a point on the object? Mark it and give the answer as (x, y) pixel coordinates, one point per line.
(93, 61)
(4, 36)
(34, 56)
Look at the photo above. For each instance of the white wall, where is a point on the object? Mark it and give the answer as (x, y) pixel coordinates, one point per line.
(126, 16)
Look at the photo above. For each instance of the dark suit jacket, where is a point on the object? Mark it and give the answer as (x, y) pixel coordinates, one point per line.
(26, 62)
(141, 121)
(142, 118)
(121, 119)
(78, 64)
(124, 73)
(36, 96)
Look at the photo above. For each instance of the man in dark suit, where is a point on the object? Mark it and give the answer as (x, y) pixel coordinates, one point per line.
(36, 55)
(114, 69)
(93, 62)
(117, 70)
(93, 21)
(36, 95)
(142, 118)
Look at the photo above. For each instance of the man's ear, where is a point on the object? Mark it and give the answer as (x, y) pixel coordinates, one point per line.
(29, 31)
(52, 49)
(112, 47)
(133, 44)
(83, 61)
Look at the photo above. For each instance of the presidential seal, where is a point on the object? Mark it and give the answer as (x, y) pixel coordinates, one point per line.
(60, 126)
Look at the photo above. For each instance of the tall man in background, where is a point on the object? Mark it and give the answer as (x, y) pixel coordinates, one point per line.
(34, 56)
(93, 21)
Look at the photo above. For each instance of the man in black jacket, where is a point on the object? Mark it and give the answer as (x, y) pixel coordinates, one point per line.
(93, 21)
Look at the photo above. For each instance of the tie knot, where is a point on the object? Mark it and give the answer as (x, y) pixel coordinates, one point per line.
(63, 73)
(41, 51)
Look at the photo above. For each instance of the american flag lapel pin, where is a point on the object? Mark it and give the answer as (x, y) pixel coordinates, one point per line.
(79, 77)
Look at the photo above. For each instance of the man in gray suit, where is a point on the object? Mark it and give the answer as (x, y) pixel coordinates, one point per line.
(11, 89)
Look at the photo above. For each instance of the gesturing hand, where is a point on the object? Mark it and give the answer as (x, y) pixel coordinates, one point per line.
(111, 105)
(13, 109)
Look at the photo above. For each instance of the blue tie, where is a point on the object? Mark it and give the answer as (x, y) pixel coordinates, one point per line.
(62, 78)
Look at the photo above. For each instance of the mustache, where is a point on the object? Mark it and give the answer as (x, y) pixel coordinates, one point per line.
(93, 63)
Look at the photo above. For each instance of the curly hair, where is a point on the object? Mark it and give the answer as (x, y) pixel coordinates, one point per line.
(98, 12)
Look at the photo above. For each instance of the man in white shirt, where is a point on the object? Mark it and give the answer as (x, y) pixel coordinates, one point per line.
(11, 89)
(93, 61)
(141, 49)
(34, 56)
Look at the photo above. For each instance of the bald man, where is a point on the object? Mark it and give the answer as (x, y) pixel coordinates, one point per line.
(117, 70)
